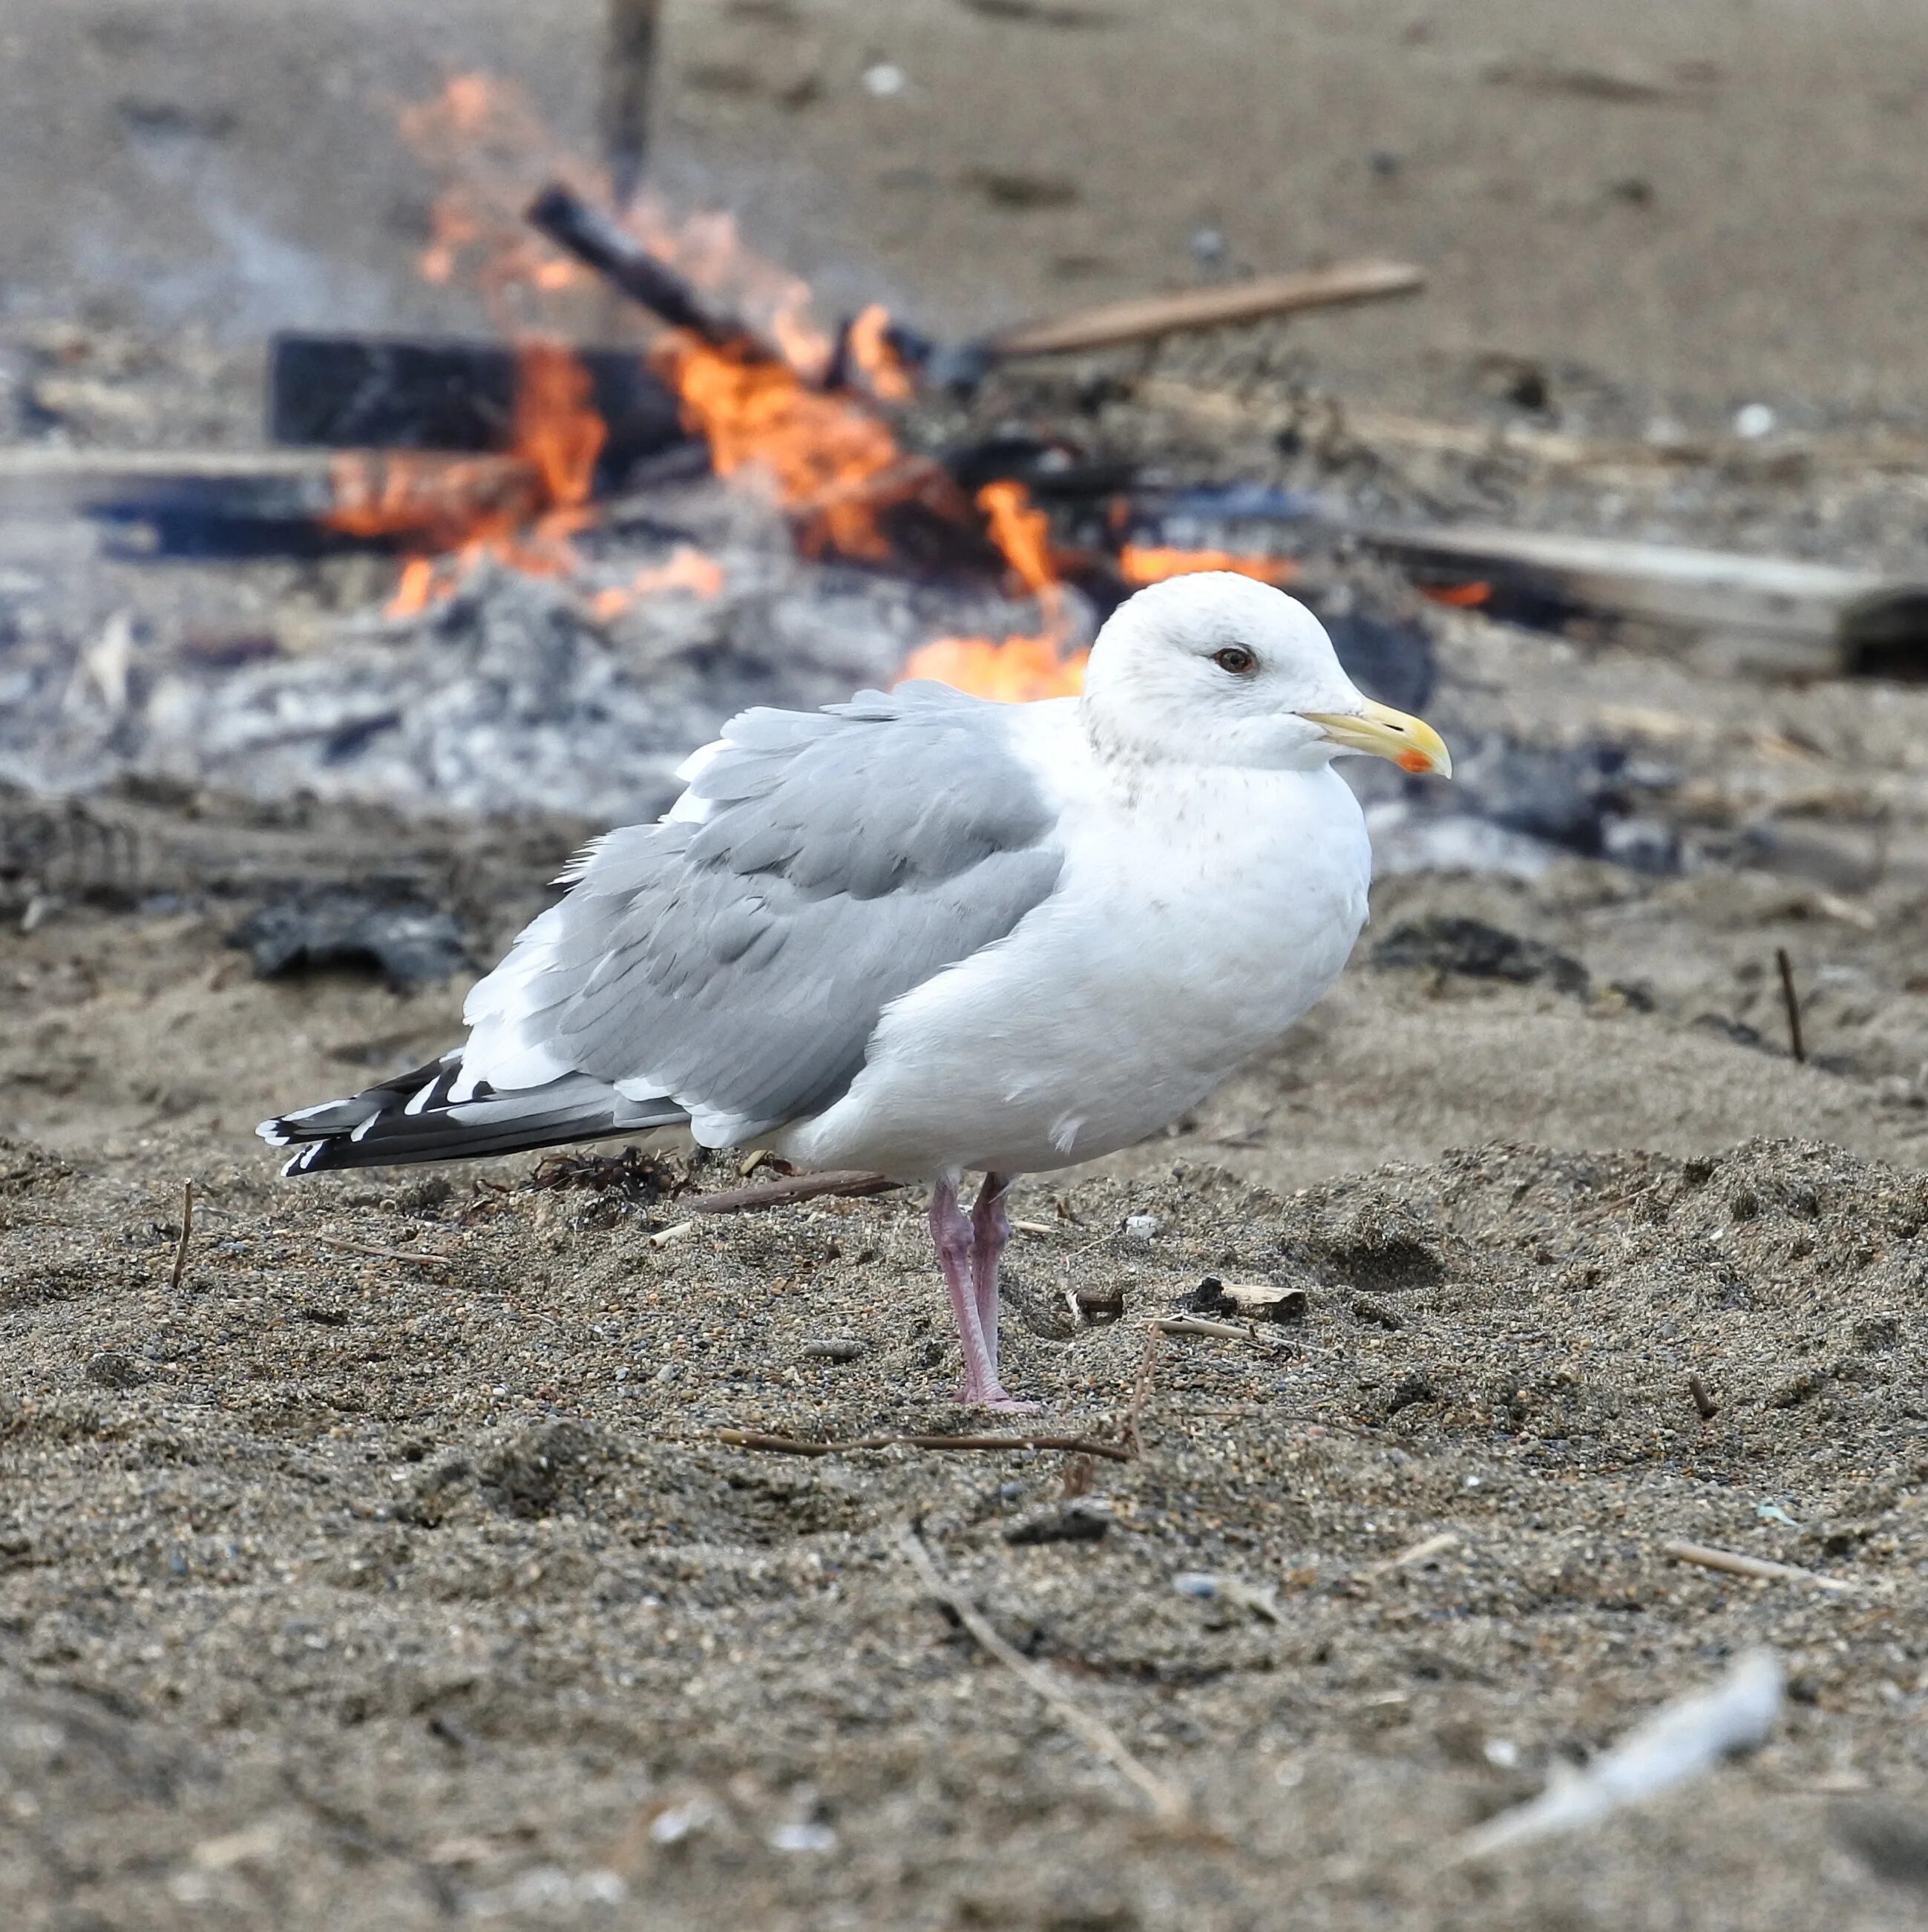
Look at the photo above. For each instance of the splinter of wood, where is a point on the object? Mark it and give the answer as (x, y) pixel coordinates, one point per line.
(1791, 1001)
(795, 1187)
(1704, 1401)
(1166, 1799)
(186, 1234)
(798, 1445)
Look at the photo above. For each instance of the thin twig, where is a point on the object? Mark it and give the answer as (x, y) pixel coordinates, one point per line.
(424, 1259)
(1704, 1401)
(1141, 1391)
(1421, 1552)
(187, 1234)
(1790, 1001)
(1227, 1331)
(1737, 1564)
(800, 1445)
(1165, 1798)
(778, 1193)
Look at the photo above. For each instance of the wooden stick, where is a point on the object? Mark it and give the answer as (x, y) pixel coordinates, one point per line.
(799, 1445)
(629, 61)
(1166, 1799)
(1228, 1331)
(1785, 967)
(1736, 1564)
(186, 1234)
(1145, 317)
(1709, 1409)
(1141, 1390)
(793, 1187)
(424, 1259)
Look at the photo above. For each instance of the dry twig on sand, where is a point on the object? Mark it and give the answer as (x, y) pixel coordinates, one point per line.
(802, 1445)
(1226, 1331)
(1166, 1799)
(793, 1187)
(1141, 1391)
(1735, 1564)
(186, 1234)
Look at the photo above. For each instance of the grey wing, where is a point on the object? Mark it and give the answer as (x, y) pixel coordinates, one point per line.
(736, 957)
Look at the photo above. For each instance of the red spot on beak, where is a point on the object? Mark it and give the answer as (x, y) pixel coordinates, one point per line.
(1413, 761)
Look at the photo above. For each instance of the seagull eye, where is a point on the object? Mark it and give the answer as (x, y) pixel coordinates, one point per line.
(1235, 659)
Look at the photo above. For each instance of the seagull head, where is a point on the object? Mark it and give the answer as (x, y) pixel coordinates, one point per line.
(1215, 668)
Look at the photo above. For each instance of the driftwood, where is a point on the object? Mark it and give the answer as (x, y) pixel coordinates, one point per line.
(1818, 617)
(1144, 318)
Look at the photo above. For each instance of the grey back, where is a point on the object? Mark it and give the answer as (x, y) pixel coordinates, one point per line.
(740, 964)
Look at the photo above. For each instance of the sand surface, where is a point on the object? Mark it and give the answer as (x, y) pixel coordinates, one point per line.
(382, 1564)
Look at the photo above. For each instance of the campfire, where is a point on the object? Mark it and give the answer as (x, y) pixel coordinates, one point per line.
(746, 383)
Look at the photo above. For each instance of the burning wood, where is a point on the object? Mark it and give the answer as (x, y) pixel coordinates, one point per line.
(390, 392)
(601, 242)
(281, 498)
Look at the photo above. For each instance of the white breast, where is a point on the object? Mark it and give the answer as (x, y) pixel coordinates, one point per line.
(1201, 911)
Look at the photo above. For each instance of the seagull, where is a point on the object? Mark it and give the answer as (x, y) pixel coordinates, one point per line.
(928, 935)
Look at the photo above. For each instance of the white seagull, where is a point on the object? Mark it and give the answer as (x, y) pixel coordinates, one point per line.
(927, 934)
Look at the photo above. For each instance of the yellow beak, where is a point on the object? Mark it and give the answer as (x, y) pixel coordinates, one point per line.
(1411, 743)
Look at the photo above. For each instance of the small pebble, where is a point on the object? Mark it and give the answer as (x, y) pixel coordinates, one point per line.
(1754, 420)
(1141, 1228)
(884, 80)
(832, 1349)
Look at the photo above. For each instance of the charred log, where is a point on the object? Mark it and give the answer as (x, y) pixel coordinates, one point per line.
(390, 392)
(600, 242)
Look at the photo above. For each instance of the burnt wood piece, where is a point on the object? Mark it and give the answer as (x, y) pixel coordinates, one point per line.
(403, 392)
(1783, 614)
(250, 503)
(601, 242)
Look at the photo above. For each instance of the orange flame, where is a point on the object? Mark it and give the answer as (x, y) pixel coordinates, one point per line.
(868, 343)
(526, 524)
(1034, 665)
(1152, 563)
(827, 460)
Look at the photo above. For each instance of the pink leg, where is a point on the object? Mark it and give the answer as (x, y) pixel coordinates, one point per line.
(952, 1231)
(990, 1229)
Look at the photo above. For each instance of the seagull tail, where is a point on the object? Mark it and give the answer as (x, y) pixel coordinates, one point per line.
(414, 1118)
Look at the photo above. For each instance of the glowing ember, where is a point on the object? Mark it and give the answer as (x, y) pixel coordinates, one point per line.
(1152, 563)
(1459, 596)
(687, 570)
(1033, 665)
